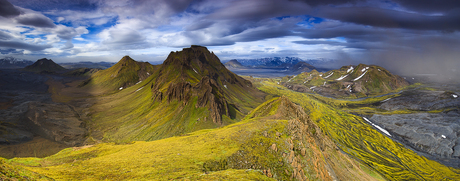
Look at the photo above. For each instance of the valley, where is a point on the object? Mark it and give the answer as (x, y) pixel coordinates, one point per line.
(191, 118)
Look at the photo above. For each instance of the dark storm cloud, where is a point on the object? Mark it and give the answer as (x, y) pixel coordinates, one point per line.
(328, 2)
(429, 5)
(5, 36)
(22, 45)
(392, 18)
(10, 51)
(36, 20)
(7, 9)
(45, 5)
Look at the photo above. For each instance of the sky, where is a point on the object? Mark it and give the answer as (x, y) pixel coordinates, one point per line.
(404, 35)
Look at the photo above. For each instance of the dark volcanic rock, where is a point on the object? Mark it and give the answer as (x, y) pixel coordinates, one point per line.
(422, 101)
(435, 134)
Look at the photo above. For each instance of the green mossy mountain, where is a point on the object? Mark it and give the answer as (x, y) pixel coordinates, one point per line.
(191, 90)
(348, 81)
(125, 73)
(44, 65)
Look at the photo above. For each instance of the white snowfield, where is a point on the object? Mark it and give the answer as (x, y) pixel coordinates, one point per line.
(378, 127)
(329, 75)
(342, 77)
(360, 76)
(350, 69)
(364, 69)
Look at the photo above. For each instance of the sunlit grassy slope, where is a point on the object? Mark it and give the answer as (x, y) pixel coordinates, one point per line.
(360, 140)
(261, 147)
(125, 73)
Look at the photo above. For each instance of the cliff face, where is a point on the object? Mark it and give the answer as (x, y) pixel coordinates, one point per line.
(196, 72)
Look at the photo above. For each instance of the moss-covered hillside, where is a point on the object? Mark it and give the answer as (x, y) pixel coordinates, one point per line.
(346, 82)
(191, 90)
(275, 141)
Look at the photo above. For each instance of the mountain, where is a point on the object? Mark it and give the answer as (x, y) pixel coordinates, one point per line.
(125, 73)
(98, 65)
(233, 64)
(302, 67)
(348, 81)
(44, 65)
(13, 63)
(274, 62)
(191, 90)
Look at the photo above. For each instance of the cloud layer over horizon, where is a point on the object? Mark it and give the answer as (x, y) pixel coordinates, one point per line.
(403, 35)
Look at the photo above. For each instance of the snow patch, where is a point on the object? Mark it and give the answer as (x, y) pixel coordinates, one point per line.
(313, 87)
(139, 89)
(195, 71)
(378, 127)
(342, 77)
(225, 86)
(360, 76)
(350, 69)
(329, 75)
(148, 73)
(324, 83)
(443, 136)
(348, 86)
(455, 96)
(386, 100)
(320, 75)
(138, 82)
(120, 88)
(379, 70)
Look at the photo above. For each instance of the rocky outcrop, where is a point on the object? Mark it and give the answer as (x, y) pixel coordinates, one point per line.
(209, 93)
(179, 91)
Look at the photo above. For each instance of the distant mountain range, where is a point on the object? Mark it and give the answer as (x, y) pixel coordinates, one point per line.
(13, 63)
(99, 65)
(280, 62)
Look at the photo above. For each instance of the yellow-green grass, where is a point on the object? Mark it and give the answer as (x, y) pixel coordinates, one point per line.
(360, 140)
(13, 172)
(239, 151)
